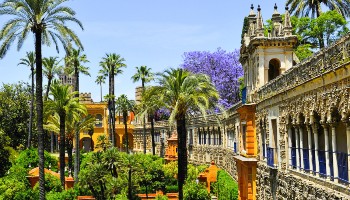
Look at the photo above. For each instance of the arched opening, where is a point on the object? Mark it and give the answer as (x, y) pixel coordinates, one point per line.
(274, 69)
(87, 144)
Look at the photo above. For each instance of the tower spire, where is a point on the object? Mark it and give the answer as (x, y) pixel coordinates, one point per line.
(287, 29)
(259, 24)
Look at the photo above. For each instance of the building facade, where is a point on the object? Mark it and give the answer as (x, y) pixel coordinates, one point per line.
(289, 138)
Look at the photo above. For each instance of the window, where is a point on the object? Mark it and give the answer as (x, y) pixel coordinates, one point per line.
(274, 69)
(98, 121)
(157, 136)
(244, 129)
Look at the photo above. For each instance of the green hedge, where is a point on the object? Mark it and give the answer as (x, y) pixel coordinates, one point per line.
(225, 187)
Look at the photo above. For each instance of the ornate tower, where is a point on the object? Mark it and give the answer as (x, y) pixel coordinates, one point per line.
(265, 54)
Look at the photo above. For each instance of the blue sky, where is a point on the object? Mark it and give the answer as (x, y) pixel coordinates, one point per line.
(155, 33)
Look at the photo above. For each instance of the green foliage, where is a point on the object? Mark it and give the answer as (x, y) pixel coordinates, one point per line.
(171, 188)
(161, 197)
(193, 171)
(170, 172)
(52, 183)
(64, 195)
(16, 186)
(29, 157)
(303, 51)
(244, 28)
(225, 187)
(14, 112)
(4, 154)
(194, 191)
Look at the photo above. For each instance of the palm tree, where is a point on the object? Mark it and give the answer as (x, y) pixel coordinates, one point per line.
(99, 80)
(124, 105)
(74, 65)
(180, 91)
(304, 7)
(145, 75)
(51, 69)
(111, 66)
(77, 120)
(150, 105)
(30, 62)
(47, 20)
(65, 105)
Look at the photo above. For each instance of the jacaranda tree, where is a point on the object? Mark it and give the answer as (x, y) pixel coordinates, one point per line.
(47, 20)
(222, 67)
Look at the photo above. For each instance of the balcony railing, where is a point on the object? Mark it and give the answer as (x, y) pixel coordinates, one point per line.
(271, 157)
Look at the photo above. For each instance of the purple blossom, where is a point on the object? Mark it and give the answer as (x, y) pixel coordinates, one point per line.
(222, 67)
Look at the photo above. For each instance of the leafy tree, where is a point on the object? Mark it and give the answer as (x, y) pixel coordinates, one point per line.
(30, 62)
(144, 74)
(99, 80)
(111, 66)
(62, 102)
(180, 91)
(47, 21)
(222, 67)
(14, 113)
(124, 105)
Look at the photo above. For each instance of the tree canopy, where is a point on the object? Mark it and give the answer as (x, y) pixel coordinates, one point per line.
(222, 67)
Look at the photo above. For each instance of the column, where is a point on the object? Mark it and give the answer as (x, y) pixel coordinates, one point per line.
(290, 147)
(309, 140)
(301, 147)
(317, 163)
(334, 150)
(297, 147)
(348, 146)
(326, 149)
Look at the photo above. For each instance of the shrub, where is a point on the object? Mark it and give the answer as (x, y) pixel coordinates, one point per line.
(171, 188)
(225, 186)
(194, 191)
(64, 195)
(29, 157)
(161, 197)
(52, 183)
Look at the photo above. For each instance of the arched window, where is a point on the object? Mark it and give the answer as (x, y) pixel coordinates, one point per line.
(274, 69)
(98, 122)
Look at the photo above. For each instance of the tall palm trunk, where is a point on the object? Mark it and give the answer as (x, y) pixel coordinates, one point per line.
(101, 91)
(39, 110)
(69, 144)
(30, 134)
(113, 106)
(182, 153)
(62, 147)
(52, 141)
(125, 117)
(49, 80)
(152, 134)
(144, 123)
(77, 134)
(110, 106)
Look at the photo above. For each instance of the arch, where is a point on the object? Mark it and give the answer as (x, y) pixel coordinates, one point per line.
(274, 69)
(86, 143)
